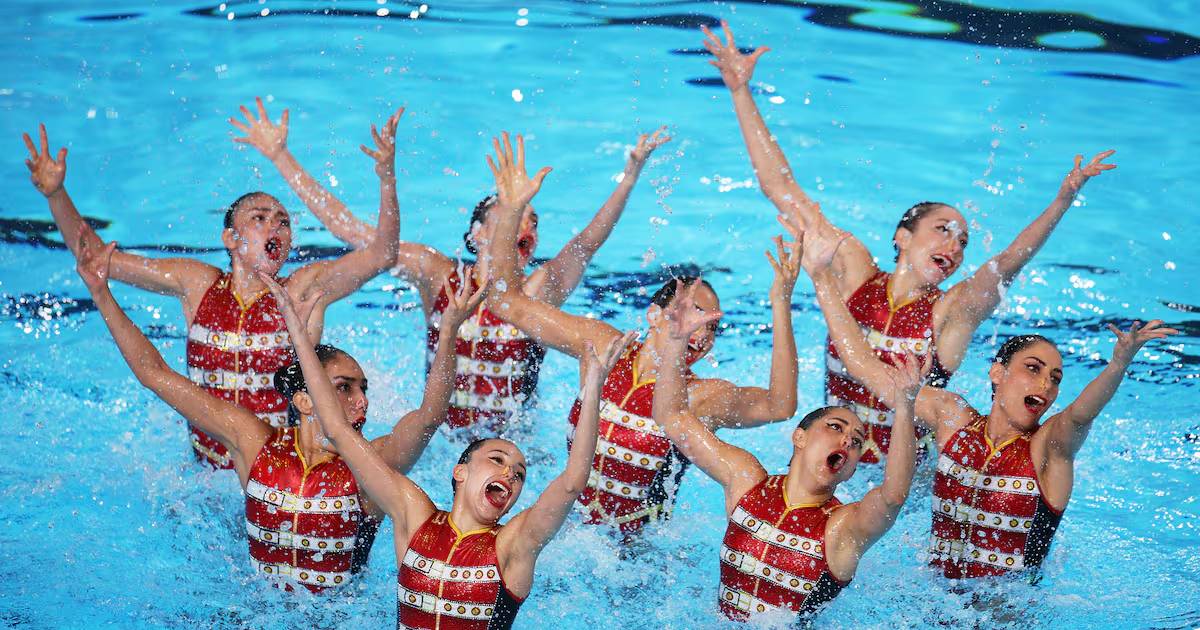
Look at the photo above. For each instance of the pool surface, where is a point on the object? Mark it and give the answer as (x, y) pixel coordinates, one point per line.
(107, 520)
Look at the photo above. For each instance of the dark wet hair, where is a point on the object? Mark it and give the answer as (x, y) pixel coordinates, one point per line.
(664, 295)
(237, 205)
(816, 414)
(1016, 344)
(289, 380)
(1012, 346)
(478, 215)
(475, 445)
(913, 216)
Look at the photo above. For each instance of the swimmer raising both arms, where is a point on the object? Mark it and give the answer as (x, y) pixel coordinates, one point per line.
(498, 364)
(236, 336)
(636, 469)
(461, 569)
(905, 309)
(307, 520)
(789, 545)
(1003, 478)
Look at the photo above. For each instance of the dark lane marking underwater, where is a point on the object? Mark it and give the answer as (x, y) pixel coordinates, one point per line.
(959, 22)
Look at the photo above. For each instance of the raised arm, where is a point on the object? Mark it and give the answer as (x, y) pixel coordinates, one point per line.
(271, 140)
(166, 276)
(974, 299)
(238, 430)
(530, 531)
(728, 405)
(394, 493)
(1067, 430)
(338, 278)
(562, 273)
(546, 324)
(859, 525)
(408, 439)
(735, 469)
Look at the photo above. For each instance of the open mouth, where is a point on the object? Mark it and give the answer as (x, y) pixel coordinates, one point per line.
(836, 460)
(274, 248)
(943, 262)
(1035, 404)
(497, 493)
(525, 246)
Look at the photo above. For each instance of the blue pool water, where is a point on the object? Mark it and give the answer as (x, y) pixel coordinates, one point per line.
(106, 520)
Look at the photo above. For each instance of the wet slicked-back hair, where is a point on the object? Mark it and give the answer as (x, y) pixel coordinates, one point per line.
(816, 414)
(237, 205)
(289, 379)
(475, 445)
(913, 216)
(478, 215)
(667, 292)
(1016, 344)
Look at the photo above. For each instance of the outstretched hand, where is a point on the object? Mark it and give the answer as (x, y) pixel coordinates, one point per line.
(295, 314)
(647, 143)
(736, 68)
(594, 368)
(513, 185)
(787, 268)
(462, 303)
(46, 173)
(270, 139)
(1128, 343)
(818, 244)
(684, 317)
(1080, 175)
(92, 262)
(385, 146)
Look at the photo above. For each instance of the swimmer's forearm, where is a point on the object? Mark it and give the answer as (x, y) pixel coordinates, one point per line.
(858, 358)
(385, 241)
(70, 223)
(328, 209)
(785, 371)
(771, 166)
(439, 384)
(1098, 393)
(1031, 239)
(901, 459)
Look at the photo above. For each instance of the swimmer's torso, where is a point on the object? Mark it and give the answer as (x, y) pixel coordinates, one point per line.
(773, 555)
(989, 514)
(496, 364)
(233, 350)
(636, 467)
(889, 330)
(305, 523)
(451, 580)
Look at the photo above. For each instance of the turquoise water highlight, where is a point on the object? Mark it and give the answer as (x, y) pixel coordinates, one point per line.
(109, 523)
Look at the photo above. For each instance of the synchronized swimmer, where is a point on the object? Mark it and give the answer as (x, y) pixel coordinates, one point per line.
(263, 397)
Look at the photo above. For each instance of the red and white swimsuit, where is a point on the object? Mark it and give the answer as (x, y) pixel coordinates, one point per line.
(496, 365)
(989, 514)
(305, 524)
(233, 350)
(636, 469)
(889, 330)
(773, 555)
(451, 580)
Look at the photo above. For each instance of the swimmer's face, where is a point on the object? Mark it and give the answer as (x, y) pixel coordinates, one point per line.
(350, 384)
(261, 236)
(1028, 385)
(702, 340)
(492, 480)
(934, 248)
(830, 448)
(527, 233)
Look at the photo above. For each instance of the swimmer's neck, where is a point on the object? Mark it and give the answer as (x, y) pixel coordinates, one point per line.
(244, 280)
(800, 489)
(999, 426)
(462, 518)
(906, 285)
(312, 443)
